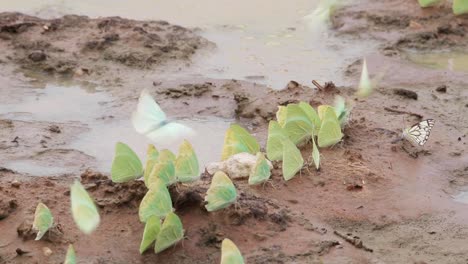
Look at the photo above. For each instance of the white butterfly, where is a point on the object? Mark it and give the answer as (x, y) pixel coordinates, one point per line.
(418, 134)
(152, 122)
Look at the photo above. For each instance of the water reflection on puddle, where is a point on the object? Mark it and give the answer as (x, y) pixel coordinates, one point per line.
(452, 61)
(33, 168)
(253, 38)
(73, 104)
(56, 104)
(462, 197)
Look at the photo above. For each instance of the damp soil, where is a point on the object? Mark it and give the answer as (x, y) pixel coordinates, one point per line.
(373, 200)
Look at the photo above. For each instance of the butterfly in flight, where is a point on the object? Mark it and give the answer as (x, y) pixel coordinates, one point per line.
(150, 120)
(418, 134)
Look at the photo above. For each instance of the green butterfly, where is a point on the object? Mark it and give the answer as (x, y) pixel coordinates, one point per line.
(70, 258)
(43, 220)
(230, 254)
(315, 154)
(84, 210)
(152, 228)
(299, 122)
(238, 140)
(341, 110)
(164, 170)
(460, 7)
(330, 130)
(311, 115)
(365, 87)
(171, 233)
(221, 193)
(157, 201)
(126, 165)
(427, 3)
(292, 159)
(186, 164)
(261, 171)
(274, 147)
(281, 115)
(151, 159)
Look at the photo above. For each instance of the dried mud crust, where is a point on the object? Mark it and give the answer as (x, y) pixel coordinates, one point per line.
(78, 45)
(404, 25)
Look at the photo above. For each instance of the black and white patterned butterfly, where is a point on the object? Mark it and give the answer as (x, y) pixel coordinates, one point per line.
(418, 134)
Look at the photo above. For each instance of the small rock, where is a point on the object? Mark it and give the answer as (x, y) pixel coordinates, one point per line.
(292, 85)
(442, 89)
(259, 237)
(15, 184)
(406, 93)
(237, 166)
(47, 251)
(55, 129)
(37, 56)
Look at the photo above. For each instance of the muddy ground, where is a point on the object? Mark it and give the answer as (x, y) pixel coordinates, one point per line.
(394, 201)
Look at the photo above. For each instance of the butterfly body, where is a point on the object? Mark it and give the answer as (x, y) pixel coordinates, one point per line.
(418, 134)
(151, 121)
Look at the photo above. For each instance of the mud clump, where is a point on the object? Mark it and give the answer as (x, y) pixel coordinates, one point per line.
(406, 93)
(7, 206)
(108, 194)
(190, 90)
(63, 45)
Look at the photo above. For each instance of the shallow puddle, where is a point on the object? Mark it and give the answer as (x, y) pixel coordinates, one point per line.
(462, 197)
(256, 38)
(33, 168)
(452, 61)
(56, 104)
(87, 108)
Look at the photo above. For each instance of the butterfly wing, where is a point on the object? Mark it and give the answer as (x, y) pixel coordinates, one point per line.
(171, 233)
(170, 133)
(419, 133)
(230, 254)
(148, 115)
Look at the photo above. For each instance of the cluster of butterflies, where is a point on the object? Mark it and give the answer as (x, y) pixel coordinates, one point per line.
(296, 124)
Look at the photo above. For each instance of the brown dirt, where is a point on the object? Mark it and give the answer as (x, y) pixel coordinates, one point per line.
(393, 198)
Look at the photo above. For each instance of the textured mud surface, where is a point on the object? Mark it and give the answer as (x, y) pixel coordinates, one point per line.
(373, 201)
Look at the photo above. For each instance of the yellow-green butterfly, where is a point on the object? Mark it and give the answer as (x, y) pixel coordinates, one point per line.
(274, 147)
(365, 87)
(221, 193)
(427, 3)
(330, 130)
(260, 171)
(297, 125)
(281, 115)
(312, 115)
(460, 7)
(43, 220)
(341, 110)
(152, 228)
(126, 165)
(157, 201)
(84, 210)
(151, 159)
(186, 164)
(171, 233)
(292, 159)
(164, 169)
(315, 154)
(70, 258)
(238, 140)
(230, 254)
